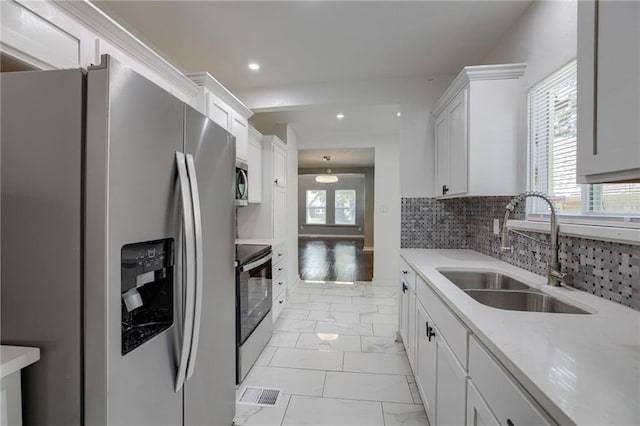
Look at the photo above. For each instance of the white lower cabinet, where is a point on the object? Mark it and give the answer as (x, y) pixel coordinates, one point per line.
(503, 395)
(440, 378)
(478, 412)
(426, 364)
(451, 385)
(459, 380)
(278, 280)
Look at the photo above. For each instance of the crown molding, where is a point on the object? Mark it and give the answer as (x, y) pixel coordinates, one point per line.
(206, 80)
(477, 73)
(89, 15)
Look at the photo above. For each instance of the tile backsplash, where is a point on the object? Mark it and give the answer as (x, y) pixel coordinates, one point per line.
(609, 270)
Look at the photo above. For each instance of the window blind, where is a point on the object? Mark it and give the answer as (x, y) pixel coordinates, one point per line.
(552, 143)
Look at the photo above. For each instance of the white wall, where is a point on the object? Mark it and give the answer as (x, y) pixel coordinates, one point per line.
(416, 97)
(545, 37)
(387, 197)
(292, 207)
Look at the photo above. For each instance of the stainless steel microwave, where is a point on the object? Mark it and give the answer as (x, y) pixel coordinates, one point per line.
(242, 183)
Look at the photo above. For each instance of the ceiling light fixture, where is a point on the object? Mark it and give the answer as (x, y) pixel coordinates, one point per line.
(326, 178)
(398, 114)
(253, 66)
(339, 116)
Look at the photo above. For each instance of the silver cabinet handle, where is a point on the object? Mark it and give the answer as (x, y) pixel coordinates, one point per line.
(199, 260)
(257, 263)
(189, 275)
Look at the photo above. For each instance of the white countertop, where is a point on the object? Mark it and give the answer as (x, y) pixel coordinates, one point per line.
(14, 358)
(264, 241)
(582, 369)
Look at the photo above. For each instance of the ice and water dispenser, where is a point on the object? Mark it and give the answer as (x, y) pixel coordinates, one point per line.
(147, 291)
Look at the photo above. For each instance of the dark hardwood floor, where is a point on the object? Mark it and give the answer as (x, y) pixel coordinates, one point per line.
(329, 259)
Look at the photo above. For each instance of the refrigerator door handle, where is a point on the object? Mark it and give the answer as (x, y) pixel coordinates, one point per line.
(188, 223)
(199, 287)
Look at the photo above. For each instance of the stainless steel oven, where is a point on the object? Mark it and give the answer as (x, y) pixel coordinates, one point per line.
(254, 324)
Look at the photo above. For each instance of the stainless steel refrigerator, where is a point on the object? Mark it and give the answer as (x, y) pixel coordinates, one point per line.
(117, 250)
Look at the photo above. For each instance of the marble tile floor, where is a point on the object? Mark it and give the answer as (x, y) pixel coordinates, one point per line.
(334, 356)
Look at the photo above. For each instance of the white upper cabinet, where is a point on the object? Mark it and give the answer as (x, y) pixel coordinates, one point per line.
(476, 124)
(226, 110)
(608, 91)
(255, 165)
(74, 34)
(279, 165)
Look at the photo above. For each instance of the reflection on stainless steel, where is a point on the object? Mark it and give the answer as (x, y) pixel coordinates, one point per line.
(523, 301)
(479, 280)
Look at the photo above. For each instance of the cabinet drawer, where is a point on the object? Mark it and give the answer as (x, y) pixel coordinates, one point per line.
(506, 399)
(452, 330)
(278, 304)
(279, 253)
(277, 286)
(408, 275)
(279, 270)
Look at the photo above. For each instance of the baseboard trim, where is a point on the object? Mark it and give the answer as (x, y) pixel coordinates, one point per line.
(346, 237)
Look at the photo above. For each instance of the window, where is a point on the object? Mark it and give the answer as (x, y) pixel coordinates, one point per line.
(345, 207)
(316, 205)
(552, 143)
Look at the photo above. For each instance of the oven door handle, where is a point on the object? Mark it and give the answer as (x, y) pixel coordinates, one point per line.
(257, 263)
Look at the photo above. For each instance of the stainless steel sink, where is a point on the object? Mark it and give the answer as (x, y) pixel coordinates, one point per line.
(480, 280)
(529, 301)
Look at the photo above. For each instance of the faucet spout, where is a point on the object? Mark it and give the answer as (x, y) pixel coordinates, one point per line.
(554, 275)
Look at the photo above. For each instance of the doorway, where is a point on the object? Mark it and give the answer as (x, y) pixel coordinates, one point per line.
(335, 214)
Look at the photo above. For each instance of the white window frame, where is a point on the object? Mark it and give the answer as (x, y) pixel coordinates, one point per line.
(336, 208)
(622, 220)
(306, 208)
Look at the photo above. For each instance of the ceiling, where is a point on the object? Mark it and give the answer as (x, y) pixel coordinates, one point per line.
(317, 41)
(355, 157)
(376, 119)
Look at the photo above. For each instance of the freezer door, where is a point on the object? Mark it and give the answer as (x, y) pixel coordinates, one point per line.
(42, 137)
(134, 129)
(209, 393)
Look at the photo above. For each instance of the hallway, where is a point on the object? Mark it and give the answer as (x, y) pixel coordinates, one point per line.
(334, 357)
(332, 259)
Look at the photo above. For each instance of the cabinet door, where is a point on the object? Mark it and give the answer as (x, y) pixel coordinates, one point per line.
(218, 111)
(279, 212)
(255, 172)
(426, 363)
(240, 130)
(279, 166)
(442, 153)
(478, 413)
(457, 112)
(609, 102)
(411, 330)
(404, 313)
(451, 386)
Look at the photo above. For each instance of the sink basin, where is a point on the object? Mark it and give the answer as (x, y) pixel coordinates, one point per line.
(528, 301)
(479, 280)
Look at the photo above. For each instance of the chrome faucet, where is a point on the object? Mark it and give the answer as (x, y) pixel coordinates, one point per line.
(554, 276)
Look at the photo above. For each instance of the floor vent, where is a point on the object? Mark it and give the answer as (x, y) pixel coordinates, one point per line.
(262, 397)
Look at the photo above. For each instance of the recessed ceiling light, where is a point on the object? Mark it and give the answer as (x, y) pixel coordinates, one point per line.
(398, 114)
(253, 66)
(339, 116)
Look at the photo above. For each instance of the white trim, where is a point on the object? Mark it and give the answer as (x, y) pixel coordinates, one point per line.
(600, 233)
(114, 33)
(475, 73)
(206, 80)
(348, 237)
